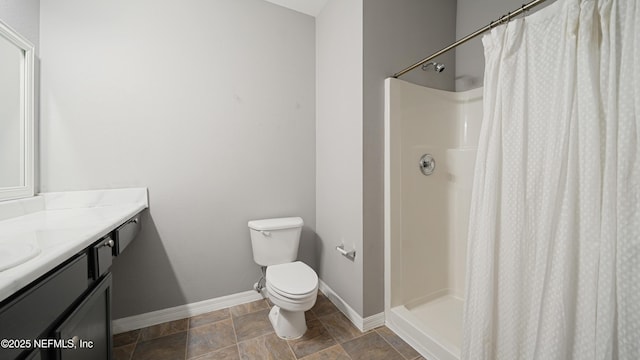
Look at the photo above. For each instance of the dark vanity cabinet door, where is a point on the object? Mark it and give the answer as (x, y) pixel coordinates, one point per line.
(89, 325)
(102, 256)
(35, 355)
(31, 312)
(125, 234)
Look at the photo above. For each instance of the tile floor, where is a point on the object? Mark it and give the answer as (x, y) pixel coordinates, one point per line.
(244, 332)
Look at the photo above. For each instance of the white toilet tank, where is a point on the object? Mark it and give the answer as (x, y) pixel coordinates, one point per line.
(275, 241)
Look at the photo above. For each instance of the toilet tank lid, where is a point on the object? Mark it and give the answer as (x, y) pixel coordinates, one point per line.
(276, 224)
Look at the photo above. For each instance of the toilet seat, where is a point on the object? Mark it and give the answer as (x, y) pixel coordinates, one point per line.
(289, 297)
(294, 281)
(291, 303)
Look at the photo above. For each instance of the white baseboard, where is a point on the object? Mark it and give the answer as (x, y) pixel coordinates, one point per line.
(373, 321)
(363, 324)
(201, 307)
(183, 311)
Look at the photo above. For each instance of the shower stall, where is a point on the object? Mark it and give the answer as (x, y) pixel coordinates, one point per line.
(426, 216)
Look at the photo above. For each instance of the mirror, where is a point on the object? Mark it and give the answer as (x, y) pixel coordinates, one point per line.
(16, 114)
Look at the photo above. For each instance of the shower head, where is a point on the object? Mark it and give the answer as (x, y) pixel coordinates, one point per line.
(438, 67)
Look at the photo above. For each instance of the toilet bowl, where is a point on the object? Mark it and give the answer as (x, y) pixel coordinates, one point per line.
(292, 288)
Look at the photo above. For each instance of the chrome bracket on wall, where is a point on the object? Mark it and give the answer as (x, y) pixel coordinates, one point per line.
(351, 255)
(427, 164)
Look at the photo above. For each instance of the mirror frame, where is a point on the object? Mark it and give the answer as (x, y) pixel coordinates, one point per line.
(27, 118)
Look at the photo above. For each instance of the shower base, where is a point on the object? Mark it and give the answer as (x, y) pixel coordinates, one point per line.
(433, 327)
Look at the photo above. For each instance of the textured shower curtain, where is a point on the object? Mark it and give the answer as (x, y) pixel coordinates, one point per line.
(553, 268)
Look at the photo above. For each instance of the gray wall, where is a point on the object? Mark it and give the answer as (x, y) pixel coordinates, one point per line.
(359, 44)
(339, 147)
(209, 104)
(24, 17)
(396, 35)
(472, 15)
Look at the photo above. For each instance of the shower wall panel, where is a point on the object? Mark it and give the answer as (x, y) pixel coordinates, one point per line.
(428, 215)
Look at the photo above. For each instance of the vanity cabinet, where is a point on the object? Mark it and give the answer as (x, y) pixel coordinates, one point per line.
(28, 314)
(125, 233)
(91, 320)
(69, 308)
(35, 355)
(101, 256)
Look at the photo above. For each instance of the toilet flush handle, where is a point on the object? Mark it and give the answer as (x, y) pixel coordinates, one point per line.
(265, 233)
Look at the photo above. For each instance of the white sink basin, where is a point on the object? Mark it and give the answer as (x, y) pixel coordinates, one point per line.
(15, 253)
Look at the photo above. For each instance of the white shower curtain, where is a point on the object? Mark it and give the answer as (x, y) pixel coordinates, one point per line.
(553, 268)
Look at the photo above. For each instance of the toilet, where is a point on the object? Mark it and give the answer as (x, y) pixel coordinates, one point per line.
(292, 286)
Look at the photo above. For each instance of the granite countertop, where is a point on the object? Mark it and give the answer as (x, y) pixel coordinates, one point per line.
(59, 225)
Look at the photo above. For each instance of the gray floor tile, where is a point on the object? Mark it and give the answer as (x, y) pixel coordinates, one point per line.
(126, 338)
(252, 325)
(265, 347)
(371, 347)
(208, 318)
(163, 329)
(248, 308)
(340, 327)
(170, 347)
(316, 338)
(208, 338)
(403, 348)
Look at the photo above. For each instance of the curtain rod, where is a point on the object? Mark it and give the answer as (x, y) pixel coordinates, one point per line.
(502, 20)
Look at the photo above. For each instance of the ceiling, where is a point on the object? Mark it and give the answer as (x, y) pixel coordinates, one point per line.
(309, 7)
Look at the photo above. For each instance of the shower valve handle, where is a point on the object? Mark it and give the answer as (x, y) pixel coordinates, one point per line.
(427, 164)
